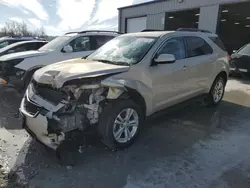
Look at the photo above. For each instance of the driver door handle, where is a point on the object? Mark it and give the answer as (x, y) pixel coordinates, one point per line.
(185, 68)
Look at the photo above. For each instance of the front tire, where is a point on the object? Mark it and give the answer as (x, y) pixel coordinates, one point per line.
(120, 123)
(216, 92)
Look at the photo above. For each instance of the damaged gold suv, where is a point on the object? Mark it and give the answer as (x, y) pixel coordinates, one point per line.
(116, 87)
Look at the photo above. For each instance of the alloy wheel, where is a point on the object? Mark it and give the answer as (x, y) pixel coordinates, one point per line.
(125, 125)
(218, 91)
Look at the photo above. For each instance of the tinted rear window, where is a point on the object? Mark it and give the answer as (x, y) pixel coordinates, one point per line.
(218, 42)
(98, 41)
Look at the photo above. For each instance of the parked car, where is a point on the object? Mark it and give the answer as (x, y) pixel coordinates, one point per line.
(5, 41)
(240, 61)
(117, 86)
(22, 46)
(18, 68)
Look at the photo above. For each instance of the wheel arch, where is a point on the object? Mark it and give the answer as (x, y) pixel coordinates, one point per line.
(136, 97)
(223, 74)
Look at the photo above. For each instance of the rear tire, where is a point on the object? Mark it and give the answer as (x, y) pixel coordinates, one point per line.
(216, 92)
(120, 123)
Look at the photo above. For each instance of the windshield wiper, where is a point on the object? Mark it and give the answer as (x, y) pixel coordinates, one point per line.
(111, 62)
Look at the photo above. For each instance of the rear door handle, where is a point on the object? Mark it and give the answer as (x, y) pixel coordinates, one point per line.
(185, 68)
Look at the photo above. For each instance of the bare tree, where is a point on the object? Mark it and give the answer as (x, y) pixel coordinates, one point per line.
(24, 29)
(40, 33)
(14, 28)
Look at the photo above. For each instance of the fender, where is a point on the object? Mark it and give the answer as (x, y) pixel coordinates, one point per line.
(119, 87)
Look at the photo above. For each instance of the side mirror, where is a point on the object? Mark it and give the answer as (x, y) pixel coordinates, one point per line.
(67, 49)
(234, 51)
(164, 59)
(10, 51)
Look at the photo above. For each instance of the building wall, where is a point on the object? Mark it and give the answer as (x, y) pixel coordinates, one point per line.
(156, 21)
(209, 17)
(156, 12)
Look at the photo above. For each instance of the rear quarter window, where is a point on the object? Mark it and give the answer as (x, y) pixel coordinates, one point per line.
(218, 42)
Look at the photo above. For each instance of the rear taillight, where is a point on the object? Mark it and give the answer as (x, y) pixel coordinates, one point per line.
(228, 58)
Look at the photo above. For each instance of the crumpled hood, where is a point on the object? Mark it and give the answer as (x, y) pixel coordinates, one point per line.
(22, 55)
(57, 74)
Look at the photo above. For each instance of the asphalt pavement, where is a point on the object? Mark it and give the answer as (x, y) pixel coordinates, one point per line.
(193, 146)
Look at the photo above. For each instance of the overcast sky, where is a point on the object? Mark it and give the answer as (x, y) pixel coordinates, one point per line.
(59, 16)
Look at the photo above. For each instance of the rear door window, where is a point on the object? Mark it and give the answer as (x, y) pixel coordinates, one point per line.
(81, 44)
(39, 45)
(197, 46)
(99, 40)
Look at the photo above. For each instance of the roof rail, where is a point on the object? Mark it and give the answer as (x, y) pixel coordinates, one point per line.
(72, 32)
(15, 36)
(91, 31)
(193, 30)
(98, 31)
(149, 30)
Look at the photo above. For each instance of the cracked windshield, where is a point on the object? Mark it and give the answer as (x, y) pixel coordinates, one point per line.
(124, 94)
(127, 49)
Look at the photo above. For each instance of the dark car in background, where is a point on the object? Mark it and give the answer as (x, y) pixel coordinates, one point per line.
(22, 46)
(240, 61)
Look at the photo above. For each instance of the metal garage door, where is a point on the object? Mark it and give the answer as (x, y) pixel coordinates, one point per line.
(136, 24)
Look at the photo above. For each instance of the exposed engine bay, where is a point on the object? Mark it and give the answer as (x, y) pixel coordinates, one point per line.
(73, 108)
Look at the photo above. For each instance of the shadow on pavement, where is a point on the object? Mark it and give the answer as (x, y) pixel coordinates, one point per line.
(170, 135)
(245, 79)
(10, 100)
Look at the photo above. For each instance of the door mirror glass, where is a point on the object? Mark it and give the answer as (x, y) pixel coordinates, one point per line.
(67, 49)
(165, 58)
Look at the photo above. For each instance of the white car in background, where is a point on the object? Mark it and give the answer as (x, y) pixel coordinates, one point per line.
(17, 69)
(22, 46)
(5, 41)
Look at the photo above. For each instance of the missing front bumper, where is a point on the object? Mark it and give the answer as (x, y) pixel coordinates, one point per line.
(37, 127)
(34, 132)
(73, 139)
(52, 125)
